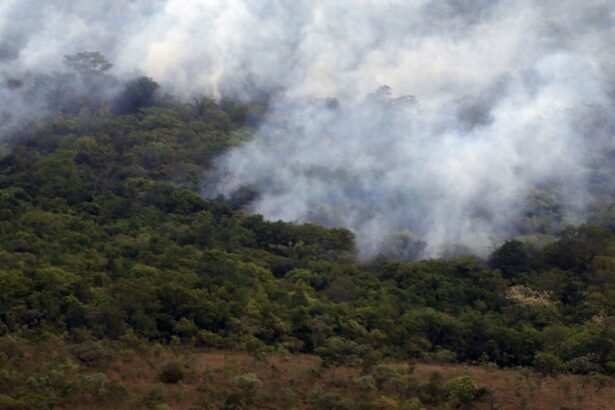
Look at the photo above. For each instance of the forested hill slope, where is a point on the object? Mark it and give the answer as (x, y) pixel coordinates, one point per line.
(104, 236)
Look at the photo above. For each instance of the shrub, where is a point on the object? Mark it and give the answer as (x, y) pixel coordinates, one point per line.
(601, 381)
(186, 328)
(462, 389)
(336, 351)
(171, 373)
(433, 391)
(7, 379)
(43, 400)
(98, 387)
(412, 404)
(369, 360)
(441, 356)
(93, 385)
(248, 382)
(386, 403)
(330, 401)
(9, 403)
(233, 402)
(152, 399)
(383, 374)
(365, 383)
(10, 348)
(205, 338)
(91, 353)
(582, 365)
(547, 363)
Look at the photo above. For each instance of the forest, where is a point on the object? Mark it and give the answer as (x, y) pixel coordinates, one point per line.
(107, 244)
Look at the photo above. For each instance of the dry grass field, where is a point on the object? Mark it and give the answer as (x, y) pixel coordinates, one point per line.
(210, 378)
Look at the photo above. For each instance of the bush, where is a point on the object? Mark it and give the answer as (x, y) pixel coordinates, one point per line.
(330, 401)
(98, 387)
(433, 392)
(233, 402)
(336, 351)
(152, 399)
(205, 338)
(93, 384)
(10, 348)
(386, 403)
(384, 375)
(412, 404)
(365, 383)
(582, 365)
(462, 389)
(9, 403)
(601, 381)
(171, 373)
(441, 356)
(91, 353)
(547, 363)
(248, 382)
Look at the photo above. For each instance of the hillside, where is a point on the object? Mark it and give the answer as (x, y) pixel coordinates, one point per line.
(107, 242)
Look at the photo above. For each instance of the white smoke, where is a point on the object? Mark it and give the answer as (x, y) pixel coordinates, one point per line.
(503, 91)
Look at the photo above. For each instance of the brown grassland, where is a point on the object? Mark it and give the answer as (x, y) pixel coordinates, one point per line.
(131, 378)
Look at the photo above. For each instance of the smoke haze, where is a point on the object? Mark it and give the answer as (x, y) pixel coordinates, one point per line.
(421, 125)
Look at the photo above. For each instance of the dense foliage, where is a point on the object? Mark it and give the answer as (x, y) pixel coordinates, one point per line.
(104, 234)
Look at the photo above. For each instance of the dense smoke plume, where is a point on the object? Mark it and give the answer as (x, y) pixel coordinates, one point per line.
(421, 125)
